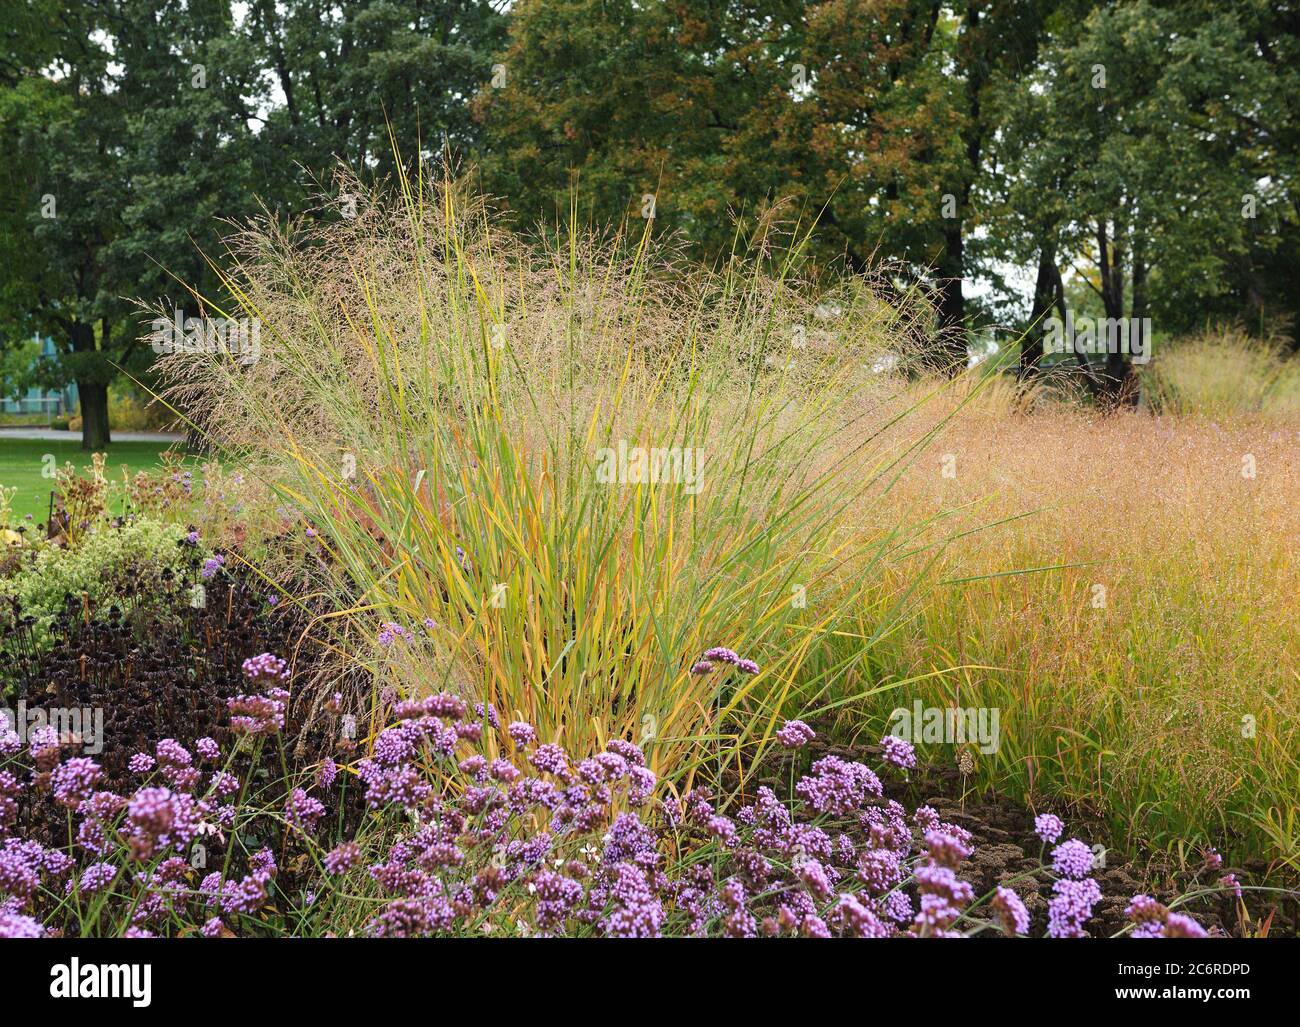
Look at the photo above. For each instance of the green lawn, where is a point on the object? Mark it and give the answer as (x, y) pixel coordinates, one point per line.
(22, 462)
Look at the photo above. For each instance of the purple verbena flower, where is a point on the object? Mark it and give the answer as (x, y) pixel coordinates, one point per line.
(258, 714)
(522, 733)
(946, 848)
(837, 786)
(342, 858)
(1048, 827)
(550, 759)
(73, 782)
(211, 565)
(1072, 859)
(795, 734)
(16, 925)
(899, 752)
(1071, 906)
(303, 811)
(44, 744)
(266, 667)
(208, 749)
(636, 912)
(326, 773)
(95, 878)
(1180, 925)
(390, 632)
(1011, 911)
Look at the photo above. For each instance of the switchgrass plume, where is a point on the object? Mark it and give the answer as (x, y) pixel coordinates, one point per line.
(553, 473)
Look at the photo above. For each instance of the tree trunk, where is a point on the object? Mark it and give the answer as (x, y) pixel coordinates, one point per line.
(1117, 385)
(1138, 337)
(1062, 311)
(951, 353)
(1045, 298)
(94, 415)
(1140, 309)
(92, 389)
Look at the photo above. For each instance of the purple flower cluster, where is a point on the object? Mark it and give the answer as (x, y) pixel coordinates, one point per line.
(1010, 911)
(1071, 906)
(795, 734)
(17, 925)
(208, 749)
(637, 912)
(159, 819)
(467, 823)
(211, 565)
(837, 786)
(1152, 919)
(1048, 827)
(245, 896)
(266, 667)
(390, 632)
(303, 811)
(899, 752)
(521, 733)
(720, 654)
(10, 741)
(45, 747)
(73, 781)
(1072, 859)
(24, 865)
(342, 858)
(947, 848)
(261, 714)
(95, 878)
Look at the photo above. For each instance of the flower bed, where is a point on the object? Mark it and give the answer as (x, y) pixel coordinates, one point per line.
(473, 825)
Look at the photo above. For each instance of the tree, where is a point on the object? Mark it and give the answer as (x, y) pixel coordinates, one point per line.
(125, 160)
(872, 115)
(137, 129)
(349, 72)
(1120, 160)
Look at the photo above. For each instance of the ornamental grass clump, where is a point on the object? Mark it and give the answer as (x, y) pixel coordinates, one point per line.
(579, 457)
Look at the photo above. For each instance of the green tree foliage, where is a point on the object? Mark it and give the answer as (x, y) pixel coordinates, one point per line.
(719, 108)
(345, 72)
(135, 130)
(1150, 152)
(946, 141)
(123, 154)
(874, 117)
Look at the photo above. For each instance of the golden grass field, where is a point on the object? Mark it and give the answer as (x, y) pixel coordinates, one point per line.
(1138, 630)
